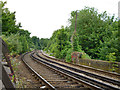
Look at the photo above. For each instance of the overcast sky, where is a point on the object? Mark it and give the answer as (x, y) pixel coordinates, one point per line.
(42, 17)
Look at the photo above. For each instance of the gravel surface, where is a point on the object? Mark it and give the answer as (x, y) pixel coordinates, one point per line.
(24, 77)
(74, 71)
(77, 67)
(53, 78)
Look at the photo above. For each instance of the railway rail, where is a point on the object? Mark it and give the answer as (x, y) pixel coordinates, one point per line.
(113, 75)
(39, 77)
(103, 82)
(52, 78)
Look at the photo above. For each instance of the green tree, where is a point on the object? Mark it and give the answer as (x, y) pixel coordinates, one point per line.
(18, 40)
(8, 20)
(43, 43)
(96, 31)
(59, 43)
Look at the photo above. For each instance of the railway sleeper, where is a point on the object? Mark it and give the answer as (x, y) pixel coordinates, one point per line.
(64, 85)
(57, 80)
(89, 68)
(68, 86)
(82, 88)
(52, 76)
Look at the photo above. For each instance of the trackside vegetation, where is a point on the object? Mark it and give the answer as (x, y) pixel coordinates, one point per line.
(17, 39)
(96, 35)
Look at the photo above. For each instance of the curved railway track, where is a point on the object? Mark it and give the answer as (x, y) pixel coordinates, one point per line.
(43, 82)
(52, 78)
(54, 75)
(115, 76)
(103, 82)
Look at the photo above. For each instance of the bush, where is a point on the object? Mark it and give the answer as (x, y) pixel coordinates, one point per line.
(68, 56)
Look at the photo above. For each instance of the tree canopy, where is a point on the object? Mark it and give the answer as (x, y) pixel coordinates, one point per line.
(18, 40)
(96, 34)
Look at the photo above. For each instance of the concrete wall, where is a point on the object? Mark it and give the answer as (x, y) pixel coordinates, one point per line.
(104, 65)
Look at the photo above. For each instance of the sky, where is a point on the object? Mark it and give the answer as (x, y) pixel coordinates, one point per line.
(43, 17)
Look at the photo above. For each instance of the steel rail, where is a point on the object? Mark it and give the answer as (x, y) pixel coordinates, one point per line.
(84, 67)
(84, 78)
(59, 70)
(40, 77)
(115, 82)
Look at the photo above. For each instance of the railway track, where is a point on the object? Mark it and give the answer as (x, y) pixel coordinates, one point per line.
(42, 82)
(52, 78)
(100, 81)
(115, 76)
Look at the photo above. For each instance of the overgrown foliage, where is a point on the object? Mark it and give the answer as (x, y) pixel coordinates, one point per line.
(18, 40)
(59, 43)
(96, 35)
